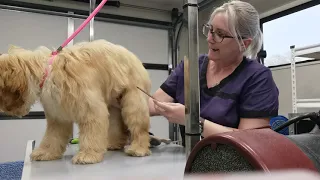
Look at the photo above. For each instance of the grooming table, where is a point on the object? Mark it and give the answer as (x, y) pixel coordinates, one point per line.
(166, 162)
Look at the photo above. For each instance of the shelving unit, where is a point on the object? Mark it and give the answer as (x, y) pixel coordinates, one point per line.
(313, 52)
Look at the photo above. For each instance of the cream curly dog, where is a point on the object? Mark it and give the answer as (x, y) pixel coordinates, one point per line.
(83, 83)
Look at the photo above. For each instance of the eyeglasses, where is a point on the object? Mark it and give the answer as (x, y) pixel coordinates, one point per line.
(216, 36)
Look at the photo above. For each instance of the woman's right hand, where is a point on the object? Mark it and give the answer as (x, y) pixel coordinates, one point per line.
(161, 96)
(174, 112)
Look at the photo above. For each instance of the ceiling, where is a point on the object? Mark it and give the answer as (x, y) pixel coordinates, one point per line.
(264, 7)
(269, 7)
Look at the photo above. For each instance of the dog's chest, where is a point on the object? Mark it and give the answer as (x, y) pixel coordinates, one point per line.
(51, 101)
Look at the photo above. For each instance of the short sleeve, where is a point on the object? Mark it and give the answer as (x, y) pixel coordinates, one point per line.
(170, 85)
(260, 96)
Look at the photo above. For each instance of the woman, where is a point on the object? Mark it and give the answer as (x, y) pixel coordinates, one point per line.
(235, 91)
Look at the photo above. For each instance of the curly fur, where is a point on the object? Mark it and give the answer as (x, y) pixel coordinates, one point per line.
(83, 83)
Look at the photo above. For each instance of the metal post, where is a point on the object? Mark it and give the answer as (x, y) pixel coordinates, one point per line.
(191, 77)
(70, 28)
(293, 79)
(171, 53)
(91, 30)
(175, 17)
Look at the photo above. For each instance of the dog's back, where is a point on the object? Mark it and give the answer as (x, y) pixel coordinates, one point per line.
(112, 64)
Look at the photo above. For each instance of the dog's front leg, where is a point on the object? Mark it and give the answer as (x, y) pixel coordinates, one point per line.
(93, 136)
(55, 140)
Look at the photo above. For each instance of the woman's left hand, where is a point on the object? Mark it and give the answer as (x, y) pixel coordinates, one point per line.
(174, 112)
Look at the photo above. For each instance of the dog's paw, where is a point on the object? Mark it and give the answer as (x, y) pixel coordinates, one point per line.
(44, 155)
(87, 158)
(137, 151)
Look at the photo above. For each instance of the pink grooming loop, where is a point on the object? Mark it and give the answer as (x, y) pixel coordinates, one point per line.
(78, 30)
(54, 54)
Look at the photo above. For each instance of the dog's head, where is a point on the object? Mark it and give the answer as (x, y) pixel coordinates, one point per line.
(14, 83)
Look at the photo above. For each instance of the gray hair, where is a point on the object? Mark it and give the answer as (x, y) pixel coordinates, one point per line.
(244, 22)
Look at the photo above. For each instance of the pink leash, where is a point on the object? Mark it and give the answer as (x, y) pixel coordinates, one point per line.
(54, 54)
(78, 30)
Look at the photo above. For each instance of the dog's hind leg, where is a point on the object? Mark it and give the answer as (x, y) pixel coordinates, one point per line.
(55, 140)
(93, 127)
(135, 114)
(118, 132)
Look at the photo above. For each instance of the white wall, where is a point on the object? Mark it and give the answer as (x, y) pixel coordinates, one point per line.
(203, 17)
(306, 82)
(131, 11)
(30, 30)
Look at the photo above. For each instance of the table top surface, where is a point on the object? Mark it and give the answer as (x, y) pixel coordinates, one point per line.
(165, 161)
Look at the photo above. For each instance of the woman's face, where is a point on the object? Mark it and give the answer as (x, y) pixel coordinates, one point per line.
(222, 45)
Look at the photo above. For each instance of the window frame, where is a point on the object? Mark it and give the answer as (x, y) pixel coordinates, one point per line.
(282, 14)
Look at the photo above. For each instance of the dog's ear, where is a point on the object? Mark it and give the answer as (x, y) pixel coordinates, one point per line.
(13, 49)
(13, 86)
